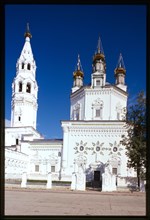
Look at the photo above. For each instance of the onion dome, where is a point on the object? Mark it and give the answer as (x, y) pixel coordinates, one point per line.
(78, 71)
(27, 33)
(100, 52)
(120, 68)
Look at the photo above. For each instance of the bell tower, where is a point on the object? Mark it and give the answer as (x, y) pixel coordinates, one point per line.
(99, 67)
(24, 88)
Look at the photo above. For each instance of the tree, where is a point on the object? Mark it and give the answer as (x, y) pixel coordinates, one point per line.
(135, 141)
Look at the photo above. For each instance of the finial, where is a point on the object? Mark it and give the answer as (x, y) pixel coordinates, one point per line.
(27, 33)
(78, 63)
(120, 62)
(28, 30)
(99, 46)
(79, 66)
(120, 68)
(79, 71)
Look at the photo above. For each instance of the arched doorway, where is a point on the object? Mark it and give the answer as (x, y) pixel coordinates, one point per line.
(97, 170)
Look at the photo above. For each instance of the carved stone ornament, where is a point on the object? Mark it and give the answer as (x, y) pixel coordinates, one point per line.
(80, 147)
(97, 147)
(115, 148)
(80, 160)
(98, 102)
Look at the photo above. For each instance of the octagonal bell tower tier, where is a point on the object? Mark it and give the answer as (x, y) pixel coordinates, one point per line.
(24, 88)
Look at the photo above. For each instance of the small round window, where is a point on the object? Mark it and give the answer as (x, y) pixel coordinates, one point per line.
(81, 148)
(115, 149)
(97, 148)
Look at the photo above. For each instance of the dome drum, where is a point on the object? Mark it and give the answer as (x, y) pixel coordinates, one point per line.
(98, 56)
(120, 70)
(78, 73)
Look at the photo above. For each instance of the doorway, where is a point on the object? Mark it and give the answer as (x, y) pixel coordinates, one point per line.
(97, 182)
(96, 175)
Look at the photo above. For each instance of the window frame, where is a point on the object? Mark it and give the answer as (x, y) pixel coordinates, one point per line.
(96, 111)
(114, 170)
(28, 66)
(20, 87)
(97, 82)
(37, 168)
(22, 65)
(53, 169)
(28, 87)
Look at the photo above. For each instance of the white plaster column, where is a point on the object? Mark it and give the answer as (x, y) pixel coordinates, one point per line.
(74, 181)
(24, 180)
(81, 181)
(49, 181)
(65, 147)
(113, 183)
(106, 182)
(110, 106)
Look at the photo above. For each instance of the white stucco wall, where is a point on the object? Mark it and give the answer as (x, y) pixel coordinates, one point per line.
(15, 164)
(90, 99)
(105, 135)
(20, 133)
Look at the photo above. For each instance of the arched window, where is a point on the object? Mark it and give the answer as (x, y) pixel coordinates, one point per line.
(20, 86)
(28, 88)
(22, 65)
(28, 66)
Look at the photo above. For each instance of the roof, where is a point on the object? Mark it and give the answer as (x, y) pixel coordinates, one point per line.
(107, 85)
(46, 141)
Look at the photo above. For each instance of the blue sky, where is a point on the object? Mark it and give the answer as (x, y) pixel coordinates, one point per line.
(59, 34)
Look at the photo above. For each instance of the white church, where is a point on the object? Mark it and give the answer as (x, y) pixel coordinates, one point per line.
(90, 151)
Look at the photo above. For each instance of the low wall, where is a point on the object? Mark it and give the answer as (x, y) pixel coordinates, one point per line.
(15, 164)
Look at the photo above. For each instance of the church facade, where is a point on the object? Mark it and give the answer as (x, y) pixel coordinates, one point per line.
(91, 138)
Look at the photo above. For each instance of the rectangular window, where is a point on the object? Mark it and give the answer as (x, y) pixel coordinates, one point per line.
(118, 115)
(17, 141)
(19, 118)
(97, 112)
(52, 169)
(98, 82)
(77, 115)
(36, 168)
(20, 86)
(114, 171)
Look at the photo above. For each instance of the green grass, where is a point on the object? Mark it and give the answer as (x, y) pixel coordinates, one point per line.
(45, 181)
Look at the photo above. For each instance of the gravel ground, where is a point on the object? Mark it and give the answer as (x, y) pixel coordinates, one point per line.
(64, 202)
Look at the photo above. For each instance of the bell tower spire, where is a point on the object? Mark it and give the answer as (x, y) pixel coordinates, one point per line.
(78, 76)
(100, 47)
(27, 33)
(24, 88)
(120, 73)
(99, 67)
